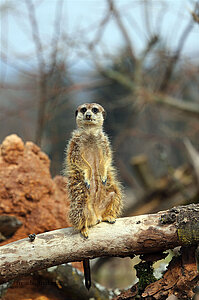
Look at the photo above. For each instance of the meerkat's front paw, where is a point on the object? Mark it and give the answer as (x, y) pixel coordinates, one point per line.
(87, 184)
(84, 232)
(109, 219)
(104, 180)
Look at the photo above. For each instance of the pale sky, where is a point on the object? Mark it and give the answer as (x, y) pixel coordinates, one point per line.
(79, 21)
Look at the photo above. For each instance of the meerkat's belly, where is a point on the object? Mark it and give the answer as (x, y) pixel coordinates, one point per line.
(97, 189)
(92, 156)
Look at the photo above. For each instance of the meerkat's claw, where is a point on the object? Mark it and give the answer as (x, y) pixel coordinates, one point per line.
(98, 221)
(84, 232)
(87, 184)
(109, 219)
(104, 180)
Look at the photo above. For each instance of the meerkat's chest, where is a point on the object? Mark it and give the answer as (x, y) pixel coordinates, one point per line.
(92, 154)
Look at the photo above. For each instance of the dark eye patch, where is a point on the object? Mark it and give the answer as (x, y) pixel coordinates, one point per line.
(83, 110)
(95, 110)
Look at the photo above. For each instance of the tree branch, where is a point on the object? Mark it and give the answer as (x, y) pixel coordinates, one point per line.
(56, 36)
(42, 67)
(174, 59)
(127, 237)
(122, 28)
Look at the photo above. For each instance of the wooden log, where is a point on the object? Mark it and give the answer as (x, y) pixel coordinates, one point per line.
(71, 282)
(128, 236)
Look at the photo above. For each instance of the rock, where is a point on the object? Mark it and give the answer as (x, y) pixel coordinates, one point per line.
(12, 148)
(9, 225)
(2, 237)
(27, 190)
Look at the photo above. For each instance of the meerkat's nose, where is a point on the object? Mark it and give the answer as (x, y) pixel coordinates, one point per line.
(88, 115)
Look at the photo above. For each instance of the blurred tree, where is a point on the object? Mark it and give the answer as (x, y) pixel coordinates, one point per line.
(59, 115)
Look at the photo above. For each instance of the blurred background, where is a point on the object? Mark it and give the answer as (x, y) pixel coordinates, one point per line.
(138, 59)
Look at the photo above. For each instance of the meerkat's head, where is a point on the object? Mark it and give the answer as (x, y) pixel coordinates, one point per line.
(90, 115)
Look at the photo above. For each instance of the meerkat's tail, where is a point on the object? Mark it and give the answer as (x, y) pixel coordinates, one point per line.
(87, 273)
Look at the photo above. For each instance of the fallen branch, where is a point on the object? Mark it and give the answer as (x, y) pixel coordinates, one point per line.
(127, 237)
(71, 283)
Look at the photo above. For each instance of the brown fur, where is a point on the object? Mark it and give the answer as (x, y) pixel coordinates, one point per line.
(94, 191)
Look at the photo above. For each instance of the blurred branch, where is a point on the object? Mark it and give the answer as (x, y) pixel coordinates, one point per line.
(177, 187)
(36, 37)
(139, 67)
(194, 157)
(195, 17)
(146, 95)
(125, 174)
(71, 282)
(160, 17)
(190, 108)
(55, 39)
(16, 87)
(179, 104)
(101, 29)
(174, 59)
(122, 28)
(147, 17)
(14, 66)
(42, 67)
(195, 13)
(151, 43)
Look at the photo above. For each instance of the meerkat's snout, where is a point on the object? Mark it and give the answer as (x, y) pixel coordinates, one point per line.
(88, 115)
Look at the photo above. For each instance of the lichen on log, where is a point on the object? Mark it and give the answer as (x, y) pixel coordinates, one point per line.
(186, 219)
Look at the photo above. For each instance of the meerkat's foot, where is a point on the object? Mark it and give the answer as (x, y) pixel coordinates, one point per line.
(84, 232)
(109, 219)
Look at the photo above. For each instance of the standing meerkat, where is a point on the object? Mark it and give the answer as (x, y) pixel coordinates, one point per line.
(95, 194)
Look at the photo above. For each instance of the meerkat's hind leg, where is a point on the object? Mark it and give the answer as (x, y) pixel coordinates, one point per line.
(110, 213)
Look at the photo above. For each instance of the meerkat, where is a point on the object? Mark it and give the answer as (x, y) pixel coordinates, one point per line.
(95, 194)
(94, 191)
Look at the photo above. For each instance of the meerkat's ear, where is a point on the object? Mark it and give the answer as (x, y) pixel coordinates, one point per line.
(76, 113)
(104, 114)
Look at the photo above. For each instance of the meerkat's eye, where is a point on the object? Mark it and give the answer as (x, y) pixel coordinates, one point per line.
(95, 110)
(83, 110)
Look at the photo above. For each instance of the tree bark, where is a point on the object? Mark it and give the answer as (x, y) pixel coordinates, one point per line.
(127, 237)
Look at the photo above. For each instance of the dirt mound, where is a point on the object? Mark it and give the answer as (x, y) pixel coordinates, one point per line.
(27, 190)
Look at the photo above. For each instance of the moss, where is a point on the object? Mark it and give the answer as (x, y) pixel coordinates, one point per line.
(188, 225)
(145, 275)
